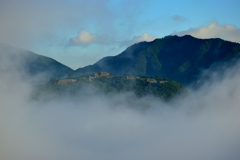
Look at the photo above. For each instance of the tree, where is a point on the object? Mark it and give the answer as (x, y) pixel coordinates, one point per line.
(166, 79)
(70, 76)
(158, 78)
(145, 77)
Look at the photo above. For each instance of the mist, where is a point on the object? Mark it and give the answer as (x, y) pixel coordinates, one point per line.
(201, 124)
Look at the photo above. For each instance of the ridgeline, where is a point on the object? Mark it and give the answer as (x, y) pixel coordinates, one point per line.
(178, 58)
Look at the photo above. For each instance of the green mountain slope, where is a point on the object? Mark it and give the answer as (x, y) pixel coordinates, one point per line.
(31, 63)
(178, 58)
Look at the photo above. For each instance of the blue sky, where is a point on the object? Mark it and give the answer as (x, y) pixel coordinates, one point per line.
(79, 32)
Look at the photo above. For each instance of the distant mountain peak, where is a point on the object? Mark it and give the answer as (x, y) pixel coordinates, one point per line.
(31, 63)
(179, 58)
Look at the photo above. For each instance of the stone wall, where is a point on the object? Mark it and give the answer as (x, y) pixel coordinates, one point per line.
(66, 81)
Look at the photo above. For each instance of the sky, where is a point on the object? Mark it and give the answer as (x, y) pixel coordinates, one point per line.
(78, 33)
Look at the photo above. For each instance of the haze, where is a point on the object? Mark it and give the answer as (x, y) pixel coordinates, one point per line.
(201, 124)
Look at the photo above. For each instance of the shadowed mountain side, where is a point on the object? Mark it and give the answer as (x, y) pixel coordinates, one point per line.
(31, 63)
(119, 64)
(178, 58)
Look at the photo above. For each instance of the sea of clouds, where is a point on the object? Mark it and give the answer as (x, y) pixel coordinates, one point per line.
(202, 124)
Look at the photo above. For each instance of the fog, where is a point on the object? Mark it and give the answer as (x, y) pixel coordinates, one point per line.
(201, 124)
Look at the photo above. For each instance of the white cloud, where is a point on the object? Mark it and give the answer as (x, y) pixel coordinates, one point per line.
(214, 30)
(144, 37)
(84, 37)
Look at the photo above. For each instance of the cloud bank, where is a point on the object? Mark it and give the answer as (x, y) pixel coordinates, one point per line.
(214, 30)
(203, 124)
(26, 22)
(85, 38)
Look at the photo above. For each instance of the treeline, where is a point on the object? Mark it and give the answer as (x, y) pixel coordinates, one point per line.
(141, 86)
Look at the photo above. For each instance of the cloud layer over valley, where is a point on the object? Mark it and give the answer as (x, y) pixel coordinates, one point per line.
(202, 124)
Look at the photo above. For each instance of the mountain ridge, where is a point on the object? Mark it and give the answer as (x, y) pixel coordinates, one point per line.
(31, 63)
(178, 58)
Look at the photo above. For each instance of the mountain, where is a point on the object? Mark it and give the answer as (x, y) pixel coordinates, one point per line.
(30, 63)
(178, 58)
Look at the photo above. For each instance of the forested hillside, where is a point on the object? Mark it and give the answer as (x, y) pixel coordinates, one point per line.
(109, 84)
(178, 58)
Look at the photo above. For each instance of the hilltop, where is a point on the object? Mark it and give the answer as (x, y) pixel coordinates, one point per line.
(105, 83)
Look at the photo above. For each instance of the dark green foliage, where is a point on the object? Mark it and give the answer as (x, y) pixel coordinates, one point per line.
(120, 84)
(184, 67)
(203, 49)
(178, 58)
(158, 78)
(166, 79)
(140, 66)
